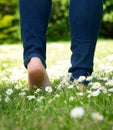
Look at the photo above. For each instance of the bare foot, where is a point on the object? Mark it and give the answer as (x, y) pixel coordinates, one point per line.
(37, 75)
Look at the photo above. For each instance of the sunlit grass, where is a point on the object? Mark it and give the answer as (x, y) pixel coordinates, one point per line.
(64, 106)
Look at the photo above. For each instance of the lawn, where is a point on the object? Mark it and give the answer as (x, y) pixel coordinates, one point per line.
(64, 106)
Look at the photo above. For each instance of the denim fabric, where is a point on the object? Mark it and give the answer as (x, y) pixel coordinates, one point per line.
(84, 19)
(34, 16)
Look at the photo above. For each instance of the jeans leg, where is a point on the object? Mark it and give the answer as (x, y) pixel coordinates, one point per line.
(85, 20)
(34, 16)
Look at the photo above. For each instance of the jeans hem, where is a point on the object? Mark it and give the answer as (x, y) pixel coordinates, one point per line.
(28, 58)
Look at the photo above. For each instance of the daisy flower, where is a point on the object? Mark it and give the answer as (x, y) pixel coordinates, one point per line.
(89, 78)
(81, 78)
(7, 99)
(30, 97)
(109, 83)
(109, 94)
(103, 89)
(77, 112)
(70, 86)
(22, 94)
(9, 91)
(48, 89)
(96, 116)
(25, 89)
(40, 99)
(18, 87)
(71, 98)
(57, 96)
(95, 93)
(110, 90)
(38, 90)
(80, 94)
(96, 85)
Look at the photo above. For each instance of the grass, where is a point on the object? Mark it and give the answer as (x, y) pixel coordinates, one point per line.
(51, 111)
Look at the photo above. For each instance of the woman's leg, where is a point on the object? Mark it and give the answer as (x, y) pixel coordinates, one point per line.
(34, 16)
(85, 20)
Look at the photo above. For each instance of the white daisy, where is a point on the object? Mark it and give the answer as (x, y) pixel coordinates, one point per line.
(89, 78)
(81, 78)
(110, 90)
(96, 85)
(30, 97)
(9, 91)
(104, 78)
(109, 94)
(95, 93)
(7, 99)
(103, 89)
(57, 96)
(70, 86)
(77, 112)
(96, 116)
(89, 91)
(18, 87)
(109, 83)
(80, 94)
(50, 101)
(25, 89)
(40, 99)
(38, 90)
(71, 98)
(59, 87)
(48, 89)
(22, 94)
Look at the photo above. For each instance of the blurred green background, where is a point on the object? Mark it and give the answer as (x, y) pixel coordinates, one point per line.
(58, 28)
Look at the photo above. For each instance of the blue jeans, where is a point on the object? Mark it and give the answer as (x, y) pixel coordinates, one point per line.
(84, 19)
